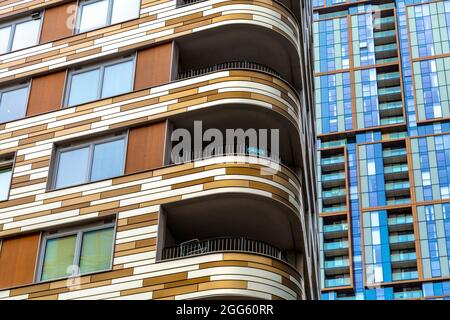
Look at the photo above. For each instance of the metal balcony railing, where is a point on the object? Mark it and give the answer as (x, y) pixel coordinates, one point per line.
(227, 150)
(244, 65)
(238, 244)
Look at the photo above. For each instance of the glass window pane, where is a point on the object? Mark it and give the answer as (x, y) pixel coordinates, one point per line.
(117, 79)
(26, 34)
(84, 87)
(13, 104)
(5, 181)
(96, 251)
(125, 10)
(72, 167)
(93, 15)
(58, 257)
(108, 160)
(4, 39)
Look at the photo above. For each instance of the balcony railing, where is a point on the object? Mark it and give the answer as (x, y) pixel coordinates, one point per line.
(238, 244)
(392, 186)
(335, 245)
(400, 220)
(391, 120)
(402, 238)
(332, 160)
(408, 275)
(401, 257)
(338, 263)
(244, 65)
(408, 294)
(338, 282)
(227, 150)
(334, 193)
(333, 176)
(335, 227)
(394, 152)
(390, 105)
(399, 201)
(397, 168)
(334, 209)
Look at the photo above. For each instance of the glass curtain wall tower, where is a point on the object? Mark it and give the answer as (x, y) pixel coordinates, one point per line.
(382, 90)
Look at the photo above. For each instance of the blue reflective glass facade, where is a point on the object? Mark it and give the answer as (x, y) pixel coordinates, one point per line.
(382, 81)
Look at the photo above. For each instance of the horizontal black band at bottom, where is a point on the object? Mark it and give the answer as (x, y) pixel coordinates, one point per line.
(209, 309)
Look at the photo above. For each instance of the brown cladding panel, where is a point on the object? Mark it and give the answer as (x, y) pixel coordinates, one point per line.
(46, 93)
(153, 66)
(146, 147)
(57, 22)
(18, 260)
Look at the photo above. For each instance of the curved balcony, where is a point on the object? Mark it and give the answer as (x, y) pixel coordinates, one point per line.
(264, 32)
(237, 276)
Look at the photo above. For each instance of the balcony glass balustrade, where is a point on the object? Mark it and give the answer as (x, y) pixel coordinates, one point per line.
(394, 202)
(401, 238)
(398, 185)
(396, 168)
(335, 227)
(335, 245)
(391, 120)
(334, 209)
(406, 275)
(338, 282)
(404, 256)
(408, 295)
(394, 152)
(339, 192)
(333, 176)
(337, 263)
(332, 160)
(400, 220)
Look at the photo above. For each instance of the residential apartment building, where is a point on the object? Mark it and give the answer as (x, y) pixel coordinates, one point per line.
(93, 204)
(382, 109)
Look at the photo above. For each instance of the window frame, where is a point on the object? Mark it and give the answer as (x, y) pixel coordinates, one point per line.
(7, 161)
(102, 66)
(17, 87)
(13, 24)
(82, 3)
(78, 231)
(91, 143)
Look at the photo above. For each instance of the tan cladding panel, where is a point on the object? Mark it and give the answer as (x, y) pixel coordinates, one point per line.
(18, 260)
(58, 22)
(154, 66)
(46, 93)
(146, 147)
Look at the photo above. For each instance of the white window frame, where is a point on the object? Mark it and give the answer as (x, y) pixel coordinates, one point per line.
(14, 23)
(83, 3)
(101, 80)
(91, 144)
(6, 162)
(79, 231)
(17, 87)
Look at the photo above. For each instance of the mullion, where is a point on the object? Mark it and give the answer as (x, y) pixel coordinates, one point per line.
(11, 37)
(110, 10)
(90, 162)
(101, 81)
(77, 253)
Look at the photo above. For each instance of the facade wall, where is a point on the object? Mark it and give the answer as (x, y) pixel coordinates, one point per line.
(384, 179)
(86, 173)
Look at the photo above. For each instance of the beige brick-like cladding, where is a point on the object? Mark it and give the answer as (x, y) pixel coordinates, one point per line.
(222, 274)
(158, 23)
